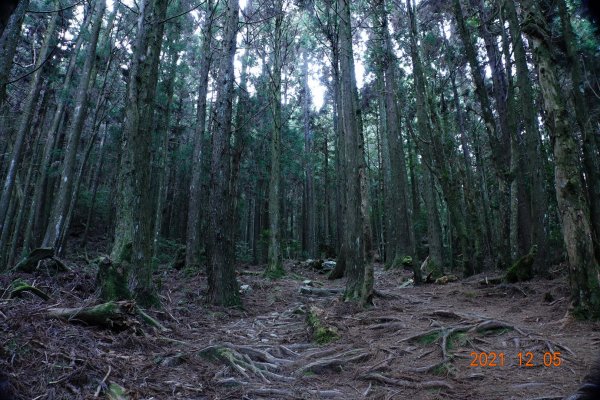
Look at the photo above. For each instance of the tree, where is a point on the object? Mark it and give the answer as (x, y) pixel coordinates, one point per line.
(9, 38)
(424, 128)
(194, 206)
(275, 267)
(133, 242)
(572, 204)
(359, 270)
(62, 202)
(25, 121)
(222, 283)
(400, 226)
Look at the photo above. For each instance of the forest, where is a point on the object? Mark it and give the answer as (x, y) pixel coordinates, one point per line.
(299, 199)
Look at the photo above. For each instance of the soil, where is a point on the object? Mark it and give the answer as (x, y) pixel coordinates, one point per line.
(414, 343)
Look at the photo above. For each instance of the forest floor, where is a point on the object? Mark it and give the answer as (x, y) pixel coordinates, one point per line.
(415, 342)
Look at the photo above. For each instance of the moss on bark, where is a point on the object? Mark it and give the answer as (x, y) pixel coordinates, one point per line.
(112, 280)
(320, 333)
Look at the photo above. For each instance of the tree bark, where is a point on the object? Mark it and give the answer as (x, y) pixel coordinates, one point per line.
(274, 267)
(401, 214)
(25, 119)
(135, 224)
(195, 191)
(51, 136)
(8, 45)
(572, 205)
(310, 222)
(222, 283)
(424, 127)
(359, 270)
(591, 155)
(62, 200)
(500, 151)
(533, 168)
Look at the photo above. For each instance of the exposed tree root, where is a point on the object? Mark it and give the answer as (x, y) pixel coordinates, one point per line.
(428, 368)
(261, 355)
(333, 362)
(444, 334)
(385, 295)
(19, 287)
(388, 326)
(289, 394)
(151, 321)
(322, 292)
(115, 315)
(407, 384)
(233, 356)
(475, 325)
(31, 262)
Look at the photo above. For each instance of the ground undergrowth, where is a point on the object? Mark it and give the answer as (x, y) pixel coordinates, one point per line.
(414, 343)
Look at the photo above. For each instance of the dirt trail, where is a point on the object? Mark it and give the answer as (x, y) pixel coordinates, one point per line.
(415, 343)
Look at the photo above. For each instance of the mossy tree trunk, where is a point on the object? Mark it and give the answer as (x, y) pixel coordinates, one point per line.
(135, 210)
(533, 168)
(591, 156)
(573, 208)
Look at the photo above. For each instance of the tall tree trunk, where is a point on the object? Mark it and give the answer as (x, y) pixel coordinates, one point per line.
(310, 221)
(390, 199)
(275, 267)
(591, 155)
(424, 127)
(500, 151)
(400, 213)
(533, 168)
(222, 283)
(51, 136)
(161, 140)
(36, 154)
(135, 224)
(195, 192)
(340, 167)
(25, 119)
(95, 184)
(572, 205)
(8, 45)
(63, 198)
(359, 270)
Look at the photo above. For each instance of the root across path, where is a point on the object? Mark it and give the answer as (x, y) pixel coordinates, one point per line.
(463, 340)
